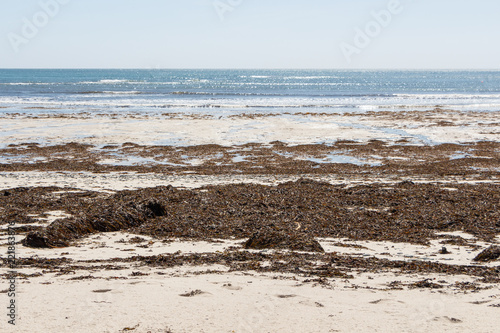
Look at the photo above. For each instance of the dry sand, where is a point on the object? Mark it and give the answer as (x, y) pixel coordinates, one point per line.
(213, 299)
(248, 302)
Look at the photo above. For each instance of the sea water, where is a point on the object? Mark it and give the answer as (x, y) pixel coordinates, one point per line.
(245, 91)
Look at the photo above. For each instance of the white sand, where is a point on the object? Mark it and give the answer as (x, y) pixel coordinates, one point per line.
(248, 302)
(244, 301)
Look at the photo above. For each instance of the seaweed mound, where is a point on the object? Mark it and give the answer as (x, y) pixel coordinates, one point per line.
(271, 239)
(490, 254)
(111, 218)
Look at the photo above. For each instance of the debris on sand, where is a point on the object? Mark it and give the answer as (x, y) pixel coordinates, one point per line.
(271, 239)
(490, 254)
(426, 284)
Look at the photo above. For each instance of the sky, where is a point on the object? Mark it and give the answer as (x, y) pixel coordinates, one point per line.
(333, 34)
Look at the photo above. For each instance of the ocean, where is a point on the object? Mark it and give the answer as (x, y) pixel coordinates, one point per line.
(238, 91)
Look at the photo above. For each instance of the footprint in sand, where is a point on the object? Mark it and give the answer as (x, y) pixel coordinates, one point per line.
(229, 286)
(385, 301)
(312, 303)
(193, 293)
(448, 319)
(303, 302)
(101, 290)
(480, 302)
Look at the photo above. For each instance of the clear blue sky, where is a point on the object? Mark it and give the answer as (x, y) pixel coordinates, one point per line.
(249, 34)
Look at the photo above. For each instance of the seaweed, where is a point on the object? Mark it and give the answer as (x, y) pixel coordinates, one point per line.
(272, 239)
(295, 213)
(490, 254)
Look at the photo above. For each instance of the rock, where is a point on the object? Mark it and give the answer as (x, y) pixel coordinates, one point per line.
(490, 254)
(271, 239)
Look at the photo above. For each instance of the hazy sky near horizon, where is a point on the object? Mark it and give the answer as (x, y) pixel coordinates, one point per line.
(337, 34)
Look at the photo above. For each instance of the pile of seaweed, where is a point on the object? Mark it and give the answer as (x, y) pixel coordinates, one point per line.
(274, 239)
(121, 211)
(490, 254)
(305, 209)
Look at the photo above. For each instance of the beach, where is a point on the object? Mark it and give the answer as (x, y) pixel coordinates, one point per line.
(250, 207)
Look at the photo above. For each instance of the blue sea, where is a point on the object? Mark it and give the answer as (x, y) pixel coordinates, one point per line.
(238, 91)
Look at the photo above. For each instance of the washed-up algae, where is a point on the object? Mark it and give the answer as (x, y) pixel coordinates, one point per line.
(309, 264)
(120, 212)
(490, 254)
(404, 212)
(273, 239)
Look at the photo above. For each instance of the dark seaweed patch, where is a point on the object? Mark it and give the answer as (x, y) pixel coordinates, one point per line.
(298, 211)
(490, 254)
(271, 239)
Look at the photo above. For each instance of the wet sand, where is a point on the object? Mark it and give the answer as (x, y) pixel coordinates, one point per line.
(228, 129)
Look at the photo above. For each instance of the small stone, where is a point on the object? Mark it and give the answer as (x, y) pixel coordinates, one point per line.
(444, 250)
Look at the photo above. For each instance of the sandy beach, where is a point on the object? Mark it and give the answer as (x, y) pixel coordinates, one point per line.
(134, 236)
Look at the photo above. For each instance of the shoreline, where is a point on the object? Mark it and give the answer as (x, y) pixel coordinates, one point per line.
(429, 127)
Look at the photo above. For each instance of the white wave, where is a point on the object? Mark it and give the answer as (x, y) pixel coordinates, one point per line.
(17, 84)
(134, 92)
(127, 82)
(310, 77)
(109, 81)
(118, 99)
(198, 81)
(448, 96)
(299, 84)
(114, 81)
